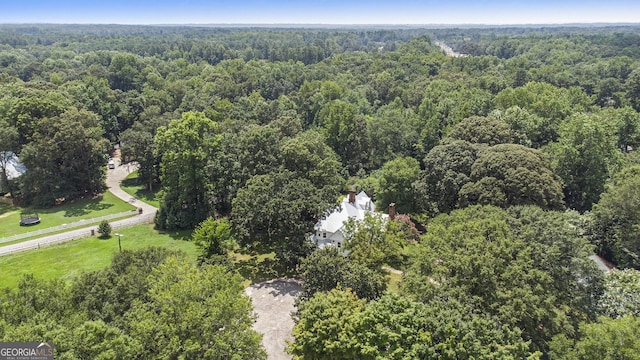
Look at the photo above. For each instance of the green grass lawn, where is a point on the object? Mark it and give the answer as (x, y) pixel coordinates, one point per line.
(68, 260)
(104, 204)
(131, 185)
(394, 282)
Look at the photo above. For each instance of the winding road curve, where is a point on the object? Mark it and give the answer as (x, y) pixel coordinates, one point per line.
(114, 178)
(273, 300)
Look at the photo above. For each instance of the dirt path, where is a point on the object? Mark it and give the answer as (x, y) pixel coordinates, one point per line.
(273, 303)
(8, 214)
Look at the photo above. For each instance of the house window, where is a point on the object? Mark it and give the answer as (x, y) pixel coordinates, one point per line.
(324, 234)
(339, 244)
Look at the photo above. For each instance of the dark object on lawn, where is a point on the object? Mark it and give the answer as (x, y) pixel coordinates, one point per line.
(29, 219)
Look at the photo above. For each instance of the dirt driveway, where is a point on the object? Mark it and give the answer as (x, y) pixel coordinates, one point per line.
(273, 303)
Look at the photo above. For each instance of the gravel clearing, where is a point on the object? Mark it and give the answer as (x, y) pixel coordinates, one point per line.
(273, 303)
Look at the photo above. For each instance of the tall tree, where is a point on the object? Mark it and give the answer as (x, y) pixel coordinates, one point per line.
(66, 159)
(195, 313)
(214, 238)
(515, 272)
(606, 339)
(616, 218)
(395, 184)
(584, 157)
(186, 146)
(370, 243)
(509, 174)
(343, 131)
(325, 329)
(393, 132)
(325, 269)
(278, 206)
(337, 325)
(447, 170)
(484, 130)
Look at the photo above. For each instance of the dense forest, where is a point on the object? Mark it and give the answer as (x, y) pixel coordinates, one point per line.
(510, 166)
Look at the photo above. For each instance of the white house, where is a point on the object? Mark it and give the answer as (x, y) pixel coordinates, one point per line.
(329, 231)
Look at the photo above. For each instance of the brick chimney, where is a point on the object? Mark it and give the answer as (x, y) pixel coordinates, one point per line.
(352, 197)
(392, 211)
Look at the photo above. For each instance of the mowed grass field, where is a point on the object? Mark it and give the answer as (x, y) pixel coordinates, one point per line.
(68, 260)
(132, 186)
(104, 204)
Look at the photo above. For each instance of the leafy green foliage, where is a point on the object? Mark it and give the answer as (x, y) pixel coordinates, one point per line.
(393, 133)
(584, 157)
(344, 132)
(195, 312)
(8, 146)
(447, 170)
(606, 339)
(515, 272)
(337, 325)
(55, 169)
(370, 241)
(186, 145)
(621, 294)
(276, 206)
(213, 237)
(616, 217)
(325, 269)
(536, 130)
(297, 110)
(507, 175)
(104, 229)
(395, 184)
(483, 130)
(146, 305)
(325, 329)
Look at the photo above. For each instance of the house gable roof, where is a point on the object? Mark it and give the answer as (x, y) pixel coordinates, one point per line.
(335, 221)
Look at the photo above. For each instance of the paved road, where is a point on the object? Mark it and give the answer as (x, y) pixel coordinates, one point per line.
(114, 178)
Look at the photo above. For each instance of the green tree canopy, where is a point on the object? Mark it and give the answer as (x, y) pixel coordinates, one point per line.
(325, 269)
(616, 218)
(186, 146)
(213, 237)
(337, 325)
(192, 312)
(607, 339)
(395, 184)
(273, 207)
(513, 272)
(621, 294)
(584, 157)
(484, 130)
(66, 159)
(447, 170)
(372, 241)
(149, 304)
(508, 174)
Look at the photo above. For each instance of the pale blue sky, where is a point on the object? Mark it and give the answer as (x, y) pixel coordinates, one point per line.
(319, 11)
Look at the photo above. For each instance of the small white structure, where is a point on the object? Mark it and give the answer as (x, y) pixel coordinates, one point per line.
(12, 166)
(329, 231)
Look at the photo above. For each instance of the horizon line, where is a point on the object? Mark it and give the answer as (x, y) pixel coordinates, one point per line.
(289, 24)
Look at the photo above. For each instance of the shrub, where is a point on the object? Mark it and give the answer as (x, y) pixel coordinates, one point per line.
(104, 229)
